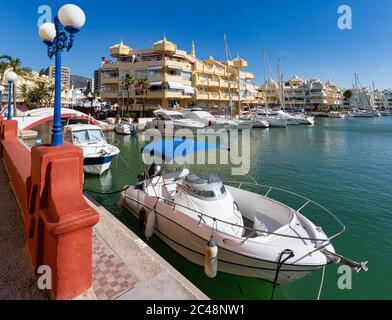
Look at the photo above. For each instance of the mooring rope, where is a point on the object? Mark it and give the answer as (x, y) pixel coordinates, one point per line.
(107, 193)
(321, 284)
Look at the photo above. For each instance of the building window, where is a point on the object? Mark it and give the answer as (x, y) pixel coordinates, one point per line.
(186, 76)
(174, 72)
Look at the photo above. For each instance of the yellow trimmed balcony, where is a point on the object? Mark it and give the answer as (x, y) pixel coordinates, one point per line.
(201, 82)
(214, 96)
(213, 83)
(201, 96)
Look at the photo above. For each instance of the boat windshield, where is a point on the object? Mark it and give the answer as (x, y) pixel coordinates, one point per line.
(95, 135)
(210, 188)
(204, 115)
(177, 117)
(83, 136)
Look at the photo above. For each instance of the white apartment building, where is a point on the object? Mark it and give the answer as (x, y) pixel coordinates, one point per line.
(296, 93)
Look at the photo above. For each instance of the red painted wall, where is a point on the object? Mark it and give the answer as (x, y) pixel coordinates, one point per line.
(48, 183)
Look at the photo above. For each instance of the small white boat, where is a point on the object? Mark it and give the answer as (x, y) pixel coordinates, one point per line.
(97, 153)
(126, 128)
(225, 228)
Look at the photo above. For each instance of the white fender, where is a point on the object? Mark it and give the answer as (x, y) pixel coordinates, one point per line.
(211, 260)
(150, 224)
(121, 200)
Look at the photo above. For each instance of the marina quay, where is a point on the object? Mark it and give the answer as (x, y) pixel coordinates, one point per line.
(195, 169)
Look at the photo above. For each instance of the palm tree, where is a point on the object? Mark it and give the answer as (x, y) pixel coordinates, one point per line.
(50, 95)
(24, 93)
(348, 94)
(143, 85)
(128, 82)
(40, 93)
(3, 68)
(15, 64)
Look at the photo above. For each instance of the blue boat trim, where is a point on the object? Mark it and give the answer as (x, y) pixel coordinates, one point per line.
(97, 160)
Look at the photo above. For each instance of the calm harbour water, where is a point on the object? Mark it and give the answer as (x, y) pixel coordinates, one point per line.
(345, 165)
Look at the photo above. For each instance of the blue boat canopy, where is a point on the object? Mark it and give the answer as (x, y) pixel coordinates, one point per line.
(171, 149)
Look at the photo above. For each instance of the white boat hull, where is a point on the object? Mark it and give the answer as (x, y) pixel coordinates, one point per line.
(188, 237)
(96, 170)
(277, 122)
(261, 124)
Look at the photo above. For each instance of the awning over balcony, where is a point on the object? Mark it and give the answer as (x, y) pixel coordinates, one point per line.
(175, 85)
(156, 83)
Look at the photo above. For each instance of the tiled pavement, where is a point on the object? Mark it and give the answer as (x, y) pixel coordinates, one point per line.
(111, 277)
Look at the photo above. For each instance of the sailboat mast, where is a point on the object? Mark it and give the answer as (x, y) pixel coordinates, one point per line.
(228, 75)
(279, 77)
(265, 80)
(356, 91)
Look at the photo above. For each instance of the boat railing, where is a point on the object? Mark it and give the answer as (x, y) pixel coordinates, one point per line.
(251, 231)
(306, 202)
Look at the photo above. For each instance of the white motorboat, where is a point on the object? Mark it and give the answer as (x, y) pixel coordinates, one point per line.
(260, 123)
(274, 121)
(97, 153)
(209, 120)
(296, 119)
(385, 113)
(336, 115)
(204, 117)
(126, 128)
(226, 228)
(364, 114)
(257, 122)
(239, 124)
(173, 120)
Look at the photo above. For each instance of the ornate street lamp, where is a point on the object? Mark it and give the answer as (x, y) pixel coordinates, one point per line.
(59, 36)
(10, 77)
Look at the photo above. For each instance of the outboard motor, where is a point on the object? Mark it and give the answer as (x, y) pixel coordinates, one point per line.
(154, 170)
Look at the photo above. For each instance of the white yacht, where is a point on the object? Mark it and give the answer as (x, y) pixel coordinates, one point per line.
(174, 120)
(225, 228)
(296, 119)
(97, 153)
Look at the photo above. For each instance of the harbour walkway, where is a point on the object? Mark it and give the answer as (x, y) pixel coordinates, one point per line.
(16, 275)
(124, 267)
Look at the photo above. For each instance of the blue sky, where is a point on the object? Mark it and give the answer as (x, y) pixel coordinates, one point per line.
(303, 33)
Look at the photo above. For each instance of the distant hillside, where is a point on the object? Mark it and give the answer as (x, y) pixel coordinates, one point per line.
(79, 81)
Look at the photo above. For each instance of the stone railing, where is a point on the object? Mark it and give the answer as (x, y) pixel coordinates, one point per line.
(48, 185)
